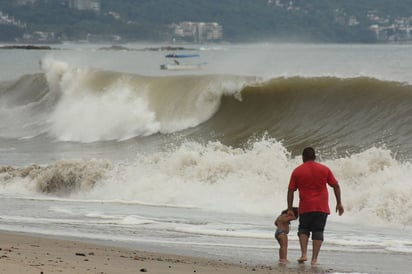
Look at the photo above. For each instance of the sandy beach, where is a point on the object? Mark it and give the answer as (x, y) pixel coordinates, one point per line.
(22, 253)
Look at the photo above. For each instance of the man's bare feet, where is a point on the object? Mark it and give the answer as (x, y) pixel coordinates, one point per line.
(314, 262)
(283, 261)
(302, 259)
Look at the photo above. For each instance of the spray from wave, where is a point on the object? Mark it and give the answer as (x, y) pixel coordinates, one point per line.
(217, 177)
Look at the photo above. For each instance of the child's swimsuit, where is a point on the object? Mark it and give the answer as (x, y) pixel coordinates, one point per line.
(278, 232)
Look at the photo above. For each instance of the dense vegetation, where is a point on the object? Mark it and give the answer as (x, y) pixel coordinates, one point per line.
(242, 20)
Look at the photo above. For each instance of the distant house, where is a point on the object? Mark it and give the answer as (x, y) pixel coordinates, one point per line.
(85, 5)
(198, 32)
(5, 19)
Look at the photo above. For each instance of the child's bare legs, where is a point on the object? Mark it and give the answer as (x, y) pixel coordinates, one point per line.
(283, 249)
(303, 240)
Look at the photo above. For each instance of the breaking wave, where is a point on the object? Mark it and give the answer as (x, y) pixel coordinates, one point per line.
(342, 115)
(249, 180)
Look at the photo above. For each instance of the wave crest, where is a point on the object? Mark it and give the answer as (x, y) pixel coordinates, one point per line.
(340, 115)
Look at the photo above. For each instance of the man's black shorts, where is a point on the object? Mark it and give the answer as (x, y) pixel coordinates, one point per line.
(313, 222)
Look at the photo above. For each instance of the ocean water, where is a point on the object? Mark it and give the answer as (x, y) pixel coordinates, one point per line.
(103, 145)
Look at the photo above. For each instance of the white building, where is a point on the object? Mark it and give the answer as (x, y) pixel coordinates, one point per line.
(5, 19)
(199, 31)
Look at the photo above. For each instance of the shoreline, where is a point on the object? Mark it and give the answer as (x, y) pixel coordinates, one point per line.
(28, 253)
(22, 252)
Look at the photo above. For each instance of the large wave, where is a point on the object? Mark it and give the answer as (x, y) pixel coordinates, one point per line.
(335, 114)
(116, 106)
(339, 115)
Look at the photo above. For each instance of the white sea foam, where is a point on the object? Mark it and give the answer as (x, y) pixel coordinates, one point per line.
(255, 180)
(215, 231)
(113, 113)
(375, 186)
(212, 176)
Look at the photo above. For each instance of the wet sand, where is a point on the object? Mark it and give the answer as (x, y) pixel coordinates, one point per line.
(23, 253)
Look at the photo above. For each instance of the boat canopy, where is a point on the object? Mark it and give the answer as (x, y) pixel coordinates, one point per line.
(182, 55)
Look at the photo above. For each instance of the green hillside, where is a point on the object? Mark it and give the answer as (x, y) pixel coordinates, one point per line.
(346, 21)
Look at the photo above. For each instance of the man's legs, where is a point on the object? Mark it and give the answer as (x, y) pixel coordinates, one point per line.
(315, 222)
(317, 238)
(303, 240)
(316, 244)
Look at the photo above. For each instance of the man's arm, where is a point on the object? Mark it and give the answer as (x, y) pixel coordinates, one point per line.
(339, 206)
(290, 202)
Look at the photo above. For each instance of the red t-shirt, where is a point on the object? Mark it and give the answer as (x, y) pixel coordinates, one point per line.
(310, 178)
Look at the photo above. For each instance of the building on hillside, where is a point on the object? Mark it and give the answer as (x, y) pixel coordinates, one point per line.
(198, 32)
(39, 37)
(392, 33)
(85, 5)
(398, 29)
(5, 19)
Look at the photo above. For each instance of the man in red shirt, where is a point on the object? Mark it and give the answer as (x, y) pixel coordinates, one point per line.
(311, 179)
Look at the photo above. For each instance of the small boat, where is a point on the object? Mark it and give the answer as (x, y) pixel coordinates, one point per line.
(178, 65)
